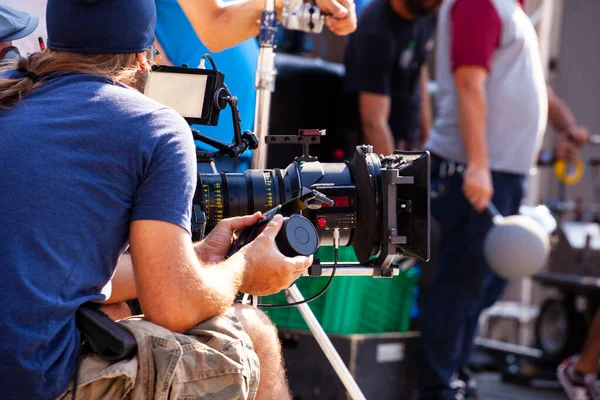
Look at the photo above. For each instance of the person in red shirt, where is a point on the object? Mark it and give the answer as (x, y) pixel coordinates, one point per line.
(493, 107)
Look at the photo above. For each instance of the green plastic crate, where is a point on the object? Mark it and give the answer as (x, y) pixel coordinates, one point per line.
(353, 304)
(369, 305)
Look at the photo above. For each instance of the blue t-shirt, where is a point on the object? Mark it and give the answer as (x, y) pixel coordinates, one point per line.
(179, 40)
(81, 157)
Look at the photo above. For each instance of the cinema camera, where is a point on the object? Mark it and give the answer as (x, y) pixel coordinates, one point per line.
(379, 205)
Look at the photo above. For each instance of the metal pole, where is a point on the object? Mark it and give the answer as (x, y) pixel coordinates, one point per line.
(544, 16)
(264, 82)
(294, 295)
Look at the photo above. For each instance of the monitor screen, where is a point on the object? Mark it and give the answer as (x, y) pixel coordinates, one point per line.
(185, 93)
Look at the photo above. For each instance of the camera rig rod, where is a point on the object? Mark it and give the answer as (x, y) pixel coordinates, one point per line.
(264, 81)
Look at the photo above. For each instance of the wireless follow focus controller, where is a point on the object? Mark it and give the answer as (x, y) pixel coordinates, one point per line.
(298, 236)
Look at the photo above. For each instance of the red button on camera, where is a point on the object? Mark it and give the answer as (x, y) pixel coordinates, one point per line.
(321, 222)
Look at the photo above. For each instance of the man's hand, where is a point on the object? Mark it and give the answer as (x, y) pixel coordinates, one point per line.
(570, 142)
(343, 15)
(216, 245)
(267, 270)
(579, 135)
(477, 187)
(565, 149)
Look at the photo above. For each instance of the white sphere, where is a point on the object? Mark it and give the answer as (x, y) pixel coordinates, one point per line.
(517, 247)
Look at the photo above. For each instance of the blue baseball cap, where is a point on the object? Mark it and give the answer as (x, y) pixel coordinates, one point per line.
(101, 26)
(15, 24)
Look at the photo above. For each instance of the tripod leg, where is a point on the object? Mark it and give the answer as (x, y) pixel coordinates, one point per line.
(294, 295)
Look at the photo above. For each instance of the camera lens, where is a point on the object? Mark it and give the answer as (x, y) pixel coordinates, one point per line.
(225, 195)
(232, 194)
(380, 204)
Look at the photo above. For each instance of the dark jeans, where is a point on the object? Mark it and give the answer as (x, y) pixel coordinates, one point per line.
(463, 284)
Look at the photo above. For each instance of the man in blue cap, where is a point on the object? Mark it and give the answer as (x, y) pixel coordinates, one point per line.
(89, 167)
(14, 25)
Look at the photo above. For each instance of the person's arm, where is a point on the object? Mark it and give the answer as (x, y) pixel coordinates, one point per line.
(177, 291)
(425, 110)
(123, 281)
(209, 251)
(475, 35)
(472, 112)
(369, 64)
(559, 114)
(222, 25)
(374, 114)
(563, 120)
(174, 288)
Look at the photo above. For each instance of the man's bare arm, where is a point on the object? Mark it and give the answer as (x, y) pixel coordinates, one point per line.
(375, 114)
(559, 114)
(177, 291)
(173, 288)
(222, 25)
(472, 113)
(425, 111)
(210, 252)
(562, 118)
(123, 281)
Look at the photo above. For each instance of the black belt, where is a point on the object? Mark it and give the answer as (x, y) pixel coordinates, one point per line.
(447, 167)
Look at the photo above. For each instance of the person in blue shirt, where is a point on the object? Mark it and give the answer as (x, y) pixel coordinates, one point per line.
(90, 166)
(180, 45)
(186, 30)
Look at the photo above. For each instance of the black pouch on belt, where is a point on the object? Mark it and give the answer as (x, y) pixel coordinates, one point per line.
(104, 337)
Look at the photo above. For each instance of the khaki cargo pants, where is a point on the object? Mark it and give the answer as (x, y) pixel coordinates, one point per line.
(214, 360)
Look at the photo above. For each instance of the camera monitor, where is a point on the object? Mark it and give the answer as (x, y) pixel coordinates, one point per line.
(189, 91)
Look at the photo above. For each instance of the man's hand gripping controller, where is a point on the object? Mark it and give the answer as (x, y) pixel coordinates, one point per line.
(298, 236)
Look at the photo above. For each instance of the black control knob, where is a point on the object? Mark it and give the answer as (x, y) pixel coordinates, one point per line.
(297, 237)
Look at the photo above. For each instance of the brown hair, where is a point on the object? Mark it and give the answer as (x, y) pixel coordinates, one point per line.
(118, 67)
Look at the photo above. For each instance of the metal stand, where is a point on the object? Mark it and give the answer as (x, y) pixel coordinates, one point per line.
(294, 295)
(265, 82)
(265, 86)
